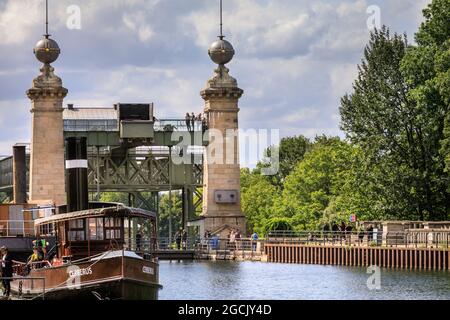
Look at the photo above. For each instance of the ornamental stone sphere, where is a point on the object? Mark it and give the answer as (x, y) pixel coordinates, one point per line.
(47, 50)
(221, 52)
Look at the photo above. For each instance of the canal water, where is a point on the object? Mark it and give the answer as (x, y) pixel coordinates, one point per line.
(211, 280)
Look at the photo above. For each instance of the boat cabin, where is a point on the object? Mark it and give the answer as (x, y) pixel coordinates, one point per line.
(103, 227)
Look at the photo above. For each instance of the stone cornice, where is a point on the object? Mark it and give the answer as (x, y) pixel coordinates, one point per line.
(47, 93)
(234, 110)
(38, 110)
(224, 92)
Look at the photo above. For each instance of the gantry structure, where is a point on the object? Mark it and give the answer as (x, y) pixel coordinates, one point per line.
(131, 152)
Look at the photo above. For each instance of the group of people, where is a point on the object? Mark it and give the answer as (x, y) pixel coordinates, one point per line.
(346, 230)
(39, 254)
(181, 239)
(194, 123)
(233, 240)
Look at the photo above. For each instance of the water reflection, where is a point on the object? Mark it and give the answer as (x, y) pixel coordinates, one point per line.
(257, 280)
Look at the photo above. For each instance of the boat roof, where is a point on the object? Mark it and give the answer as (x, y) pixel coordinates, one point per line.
(118, 210)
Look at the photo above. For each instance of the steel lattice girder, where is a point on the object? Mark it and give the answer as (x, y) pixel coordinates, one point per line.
(140, 172)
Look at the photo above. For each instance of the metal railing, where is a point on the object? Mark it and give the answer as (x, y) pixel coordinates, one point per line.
(417, 239)
(83, 125)
(240, 246)
(172, 244)
(212, 244)
(14, 228)
(145, 245)
(177, 125)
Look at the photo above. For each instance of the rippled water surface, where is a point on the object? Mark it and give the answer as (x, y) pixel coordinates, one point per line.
(258, 280)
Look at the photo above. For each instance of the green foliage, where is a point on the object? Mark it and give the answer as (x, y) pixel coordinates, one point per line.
(257, 198)
(120, 197)
(427, 70)
(277, 224)
(323, 187)
(169, 206)
(400, 137)
(291, 150)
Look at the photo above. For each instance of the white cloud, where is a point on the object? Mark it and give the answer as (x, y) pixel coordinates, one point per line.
(136, 22)
(15, 30)
(294, 58)
(342, 77)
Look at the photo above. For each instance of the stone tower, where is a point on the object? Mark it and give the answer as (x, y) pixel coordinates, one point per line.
(47, 176)
(221, 176)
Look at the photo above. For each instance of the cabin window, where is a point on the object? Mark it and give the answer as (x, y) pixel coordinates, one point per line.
(96, 229)
(46, 230)
(76, 230)
(113, 228)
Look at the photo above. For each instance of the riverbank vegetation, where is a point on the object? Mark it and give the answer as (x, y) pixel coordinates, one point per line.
(395, 160)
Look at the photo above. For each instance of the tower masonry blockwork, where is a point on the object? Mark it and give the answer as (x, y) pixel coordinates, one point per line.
(47, 176)
(221, 192)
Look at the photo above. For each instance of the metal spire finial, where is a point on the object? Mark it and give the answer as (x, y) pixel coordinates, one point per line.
(47, 50)
(46, 19)
(221, 22)
(221, 51)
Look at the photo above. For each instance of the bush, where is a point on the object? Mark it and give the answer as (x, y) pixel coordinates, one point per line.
(278, 224)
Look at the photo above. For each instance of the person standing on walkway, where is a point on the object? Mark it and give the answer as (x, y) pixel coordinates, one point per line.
(178, 238)
(254, 238)
(193, 121)
(184, 239)
(188, 121)
(199, 121)
(232, 240)
(204, 124)
(342, 229)
(238, 239)
(7, 271)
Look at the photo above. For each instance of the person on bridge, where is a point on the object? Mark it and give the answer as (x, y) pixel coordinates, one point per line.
(204, 124)
(7, 270)
(198, 120)
(188, 121)
(193, 121)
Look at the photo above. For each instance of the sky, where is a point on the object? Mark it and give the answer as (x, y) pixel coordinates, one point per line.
(294, 59)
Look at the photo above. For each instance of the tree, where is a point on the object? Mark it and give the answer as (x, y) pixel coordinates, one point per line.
(257, 198)
(427, 71)
(277, 224)
(397, 136)
(321, 183)
(169, 206)
(291, 150)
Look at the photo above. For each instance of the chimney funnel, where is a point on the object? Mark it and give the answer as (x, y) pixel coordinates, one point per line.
(76, 174)
(19, 175)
